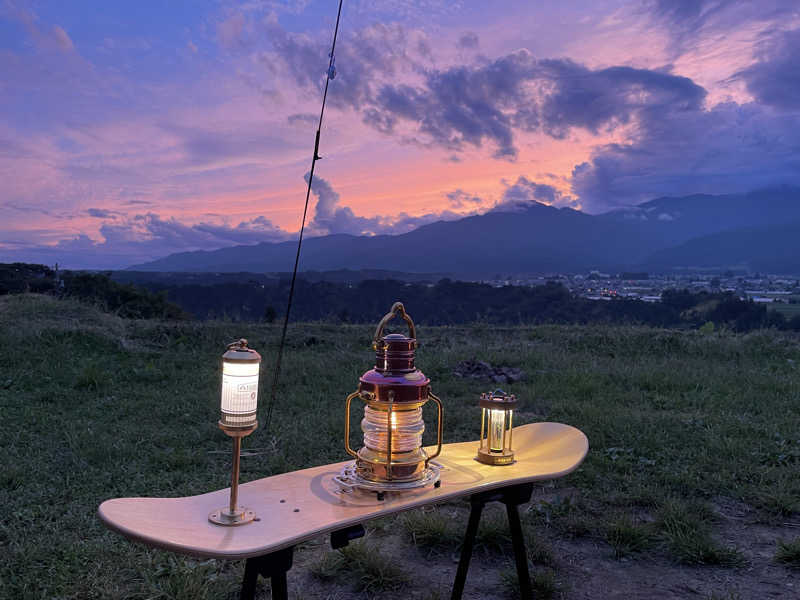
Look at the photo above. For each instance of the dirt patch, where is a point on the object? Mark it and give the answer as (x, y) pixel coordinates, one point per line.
(583, 568)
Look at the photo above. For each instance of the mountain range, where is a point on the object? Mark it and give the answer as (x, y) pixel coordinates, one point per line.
(759, 230)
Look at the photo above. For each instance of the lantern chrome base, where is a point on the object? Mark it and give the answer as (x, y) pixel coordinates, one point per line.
(506, 457)
(223, 516)
(349, 480)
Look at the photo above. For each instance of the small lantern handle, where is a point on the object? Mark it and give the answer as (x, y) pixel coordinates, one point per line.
(397, 308)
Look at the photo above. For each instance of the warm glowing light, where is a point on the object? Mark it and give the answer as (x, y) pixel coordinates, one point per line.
(497, 420)
(407, 429)
(240, 368)
(497, 411)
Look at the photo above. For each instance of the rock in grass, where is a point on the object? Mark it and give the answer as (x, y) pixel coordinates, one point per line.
(482, 370)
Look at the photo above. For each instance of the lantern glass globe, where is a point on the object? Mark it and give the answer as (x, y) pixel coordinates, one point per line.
(239, 398)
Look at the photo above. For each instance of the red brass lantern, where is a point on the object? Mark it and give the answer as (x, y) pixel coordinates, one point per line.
(392, 457)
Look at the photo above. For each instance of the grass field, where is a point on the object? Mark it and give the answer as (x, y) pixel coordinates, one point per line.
(691, 482)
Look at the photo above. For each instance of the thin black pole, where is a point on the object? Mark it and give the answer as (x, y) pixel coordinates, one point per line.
(314, 159)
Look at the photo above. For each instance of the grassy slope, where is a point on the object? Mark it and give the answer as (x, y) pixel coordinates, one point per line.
(95, 407)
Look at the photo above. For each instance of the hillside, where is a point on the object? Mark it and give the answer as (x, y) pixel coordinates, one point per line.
(96, 407)
(527, 238)
(774, 249)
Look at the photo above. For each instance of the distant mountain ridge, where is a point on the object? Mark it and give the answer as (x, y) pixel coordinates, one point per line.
(539, 238)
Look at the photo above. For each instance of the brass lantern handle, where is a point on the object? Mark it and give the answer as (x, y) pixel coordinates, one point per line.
(397, 309)
(357, 394)
(347, 424)
(439, 424)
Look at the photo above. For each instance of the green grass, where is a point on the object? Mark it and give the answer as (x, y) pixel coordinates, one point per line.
(788, 553)
(363, 565)
(432, 530)
(626, 536)
(96, 407)
(686, 529)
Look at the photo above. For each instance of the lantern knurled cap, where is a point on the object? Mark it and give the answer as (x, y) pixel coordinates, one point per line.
(498, 399)
(238, 351)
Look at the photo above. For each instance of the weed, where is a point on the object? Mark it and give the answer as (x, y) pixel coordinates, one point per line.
(788, 553)
(627, 536)
(362, 564)
(543, 582)
(431, 529)
(685, 528)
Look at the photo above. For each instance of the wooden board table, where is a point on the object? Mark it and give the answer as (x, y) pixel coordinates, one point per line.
(293, 507)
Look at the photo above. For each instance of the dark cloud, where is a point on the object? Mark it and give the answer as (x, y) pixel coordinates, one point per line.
(524, 192)
(687, 19)
(459, 199)
(303, 119)
(101, 213)
(726, 149)
(775, 78)
(485, 102)
(603, 99)
(468, 41)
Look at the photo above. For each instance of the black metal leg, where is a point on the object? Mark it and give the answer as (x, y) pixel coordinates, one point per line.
(280, 590)
(520, 554)
(466, 549)
(275, 566)
(512, 497)
(250, 580)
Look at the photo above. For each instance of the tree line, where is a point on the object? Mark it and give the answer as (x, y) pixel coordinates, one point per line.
(444, 303)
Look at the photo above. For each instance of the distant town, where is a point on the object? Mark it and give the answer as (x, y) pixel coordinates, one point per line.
(774, 290)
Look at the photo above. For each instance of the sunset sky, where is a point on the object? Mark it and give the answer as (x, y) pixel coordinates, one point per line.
(129, 131)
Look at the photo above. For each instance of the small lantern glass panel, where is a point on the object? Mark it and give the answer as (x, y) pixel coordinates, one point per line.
(497, 410)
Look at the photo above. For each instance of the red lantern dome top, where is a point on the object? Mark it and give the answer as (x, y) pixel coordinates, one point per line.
(395, 378)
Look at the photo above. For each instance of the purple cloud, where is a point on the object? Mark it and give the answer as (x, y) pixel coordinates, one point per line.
(459, 199)
(727, 149)
(775, 78)
(524, 192)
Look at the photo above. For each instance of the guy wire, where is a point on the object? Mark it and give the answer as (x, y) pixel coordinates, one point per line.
(316, 157)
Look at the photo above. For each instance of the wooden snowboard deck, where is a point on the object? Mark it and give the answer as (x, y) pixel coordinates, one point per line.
(293, 507)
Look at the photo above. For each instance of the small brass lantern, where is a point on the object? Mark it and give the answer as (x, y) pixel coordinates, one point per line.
(392, 457)
(240, 368)
(496, 413)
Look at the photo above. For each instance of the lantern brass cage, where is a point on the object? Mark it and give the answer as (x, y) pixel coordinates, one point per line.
(497, 411)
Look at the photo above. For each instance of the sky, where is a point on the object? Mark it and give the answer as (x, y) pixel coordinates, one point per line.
(133, 130)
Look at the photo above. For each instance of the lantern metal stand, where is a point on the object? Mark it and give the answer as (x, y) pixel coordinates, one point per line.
(240, 369)
(392, 458)
(497, 410)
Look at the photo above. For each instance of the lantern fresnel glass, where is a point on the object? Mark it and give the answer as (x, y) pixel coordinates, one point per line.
(392, 457)
(240, 368)
(497, 409)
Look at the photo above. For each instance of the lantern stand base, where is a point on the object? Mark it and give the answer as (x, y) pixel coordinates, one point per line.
(223, 516)
(233, 514)
(512, 497)
(348, 480)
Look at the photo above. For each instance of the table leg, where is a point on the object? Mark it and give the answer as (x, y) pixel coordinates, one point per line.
(512, 497)
(520, 554)
(274, 565)
(466, 549)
